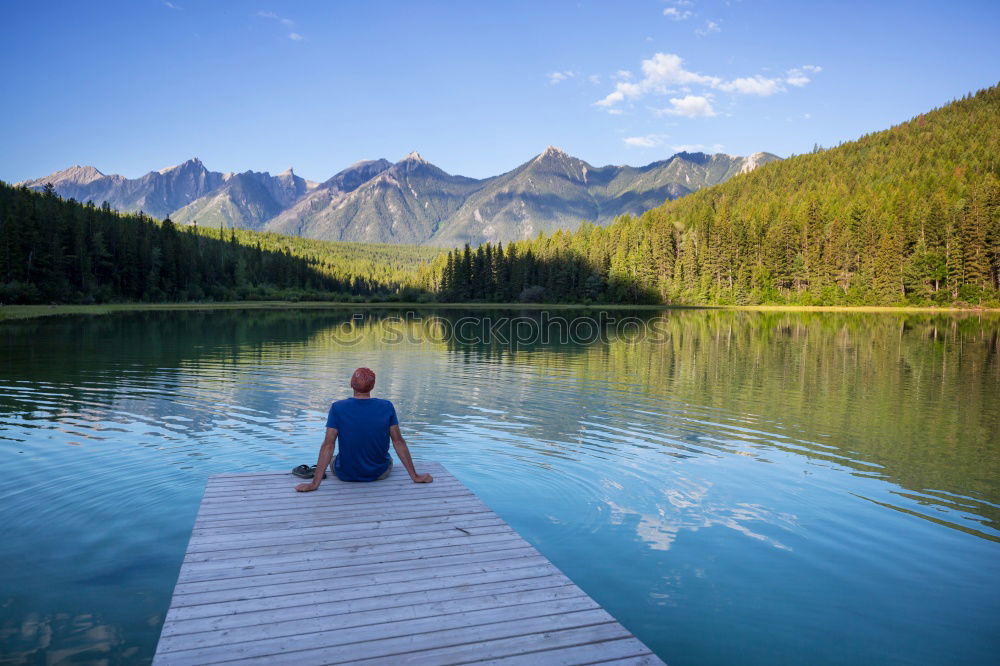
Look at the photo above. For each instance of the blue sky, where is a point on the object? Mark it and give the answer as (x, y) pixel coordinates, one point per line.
(476, 88)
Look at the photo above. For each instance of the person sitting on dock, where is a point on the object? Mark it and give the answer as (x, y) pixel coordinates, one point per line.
(364, 426)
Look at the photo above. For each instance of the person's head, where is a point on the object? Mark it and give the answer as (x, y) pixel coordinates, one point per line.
(363, 380)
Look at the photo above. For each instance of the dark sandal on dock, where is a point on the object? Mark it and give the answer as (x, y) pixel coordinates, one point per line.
(306, 471)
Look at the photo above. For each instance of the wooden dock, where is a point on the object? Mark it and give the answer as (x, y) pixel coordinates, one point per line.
(387, 572)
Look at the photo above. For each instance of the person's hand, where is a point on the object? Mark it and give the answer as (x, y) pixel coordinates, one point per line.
(423, 478)
(306, 487)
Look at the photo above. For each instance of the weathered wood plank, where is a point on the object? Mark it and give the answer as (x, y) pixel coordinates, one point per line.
(250, 484)
(533, 648)
(501, 543)
(288, 620)
(323, 555)
(418, 634)
(289, 497)
(337, 532)
(390, 522)
(286, 488)
(418, 567)
(351, 514)
(222, 494)
(648, 659)
(398, 475)
(290, 607)
(346, 519)
(250, 477)
(404, 539)
(344, 489)
(391, 572)
(401, 581)
(343, 519)
(598, 650)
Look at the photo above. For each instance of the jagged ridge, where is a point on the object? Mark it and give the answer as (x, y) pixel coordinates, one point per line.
(411, 201)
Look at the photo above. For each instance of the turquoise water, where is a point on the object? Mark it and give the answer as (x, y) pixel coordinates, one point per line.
(732, 486)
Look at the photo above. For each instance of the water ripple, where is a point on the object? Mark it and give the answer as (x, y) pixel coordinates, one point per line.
(680, 486)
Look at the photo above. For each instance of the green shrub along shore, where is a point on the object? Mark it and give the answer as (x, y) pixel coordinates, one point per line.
(18, 312)
(909, 216)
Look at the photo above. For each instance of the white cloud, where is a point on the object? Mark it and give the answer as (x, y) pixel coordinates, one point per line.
(710, 27)
(799, 76)
(690, 106)
(594, 78)
(677, 14)
(753, 85)
(665, 69)
(648, 141)
(660, 73)
(170, 5)
(623, 90)
(287, 22)
(665, 74)
(559, 77)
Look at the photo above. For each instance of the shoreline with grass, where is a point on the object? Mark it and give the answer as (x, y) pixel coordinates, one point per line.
(20, 312)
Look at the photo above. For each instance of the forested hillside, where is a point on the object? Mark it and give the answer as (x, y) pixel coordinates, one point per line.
(910, 215)
(52, 250)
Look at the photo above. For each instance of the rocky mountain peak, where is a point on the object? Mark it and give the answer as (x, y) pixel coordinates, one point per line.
(559, 160)
(413, 157)
(757, 159)
(76, 175)
(193, 163)
(552, 153)
(695, 158)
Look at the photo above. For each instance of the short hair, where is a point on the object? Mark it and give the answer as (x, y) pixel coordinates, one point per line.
(363, 380)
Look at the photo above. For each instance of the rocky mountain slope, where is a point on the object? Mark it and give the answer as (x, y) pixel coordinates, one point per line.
(245, 200)
(411, 201)
(557, 191)
(158, 193)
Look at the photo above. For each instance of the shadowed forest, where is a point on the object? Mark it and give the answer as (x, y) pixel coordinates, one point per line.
(57, 251)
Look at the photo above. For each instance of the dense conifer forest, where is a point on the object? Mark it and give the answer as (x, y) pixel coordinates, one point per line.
(906, 216)
(56, 251)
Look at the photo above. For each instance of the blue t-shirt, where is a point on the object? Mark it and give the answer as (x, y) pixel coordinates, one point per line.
(363, 431)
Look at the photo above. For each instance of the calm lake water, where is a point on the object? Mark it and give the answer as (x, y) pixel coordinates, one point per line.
(733, 486)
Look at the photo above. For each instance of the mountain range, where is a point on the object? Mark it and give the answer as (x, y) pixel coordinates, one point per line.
(411, 201)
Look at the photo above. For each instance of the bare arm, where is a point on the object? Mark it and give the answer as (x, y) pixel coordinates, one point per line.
(403, 452)
(325, 456)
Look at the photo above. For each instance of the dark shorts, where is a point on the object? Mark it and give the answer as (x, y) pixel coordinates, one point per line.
(386, 473)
